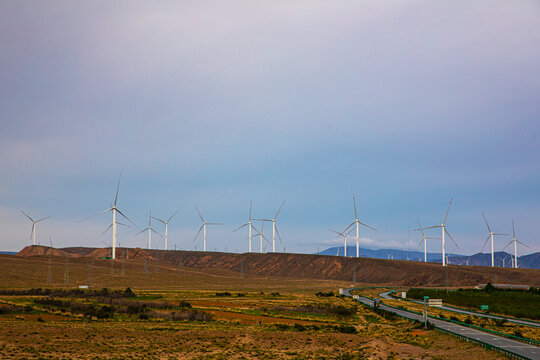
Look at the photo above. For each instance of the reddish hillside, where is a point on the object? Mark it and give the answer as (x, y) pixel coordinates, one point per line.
(364, 270)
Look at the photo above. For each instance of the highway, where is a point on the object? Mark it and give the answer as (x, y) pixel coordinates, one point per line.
(386, 295)
(524, 350)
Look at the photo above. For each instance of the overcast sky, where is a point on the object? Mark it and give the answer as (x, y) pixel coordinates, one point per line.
(404, 103)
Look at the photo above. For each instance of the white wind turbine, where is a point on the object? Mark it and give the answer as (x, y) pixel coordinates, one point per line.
(491, 235)
(149, 229)
(515, 241)
(250, 226)
(166, 225)
(34, 222)
(114, 210)
(358, 223)
(274, 227)
(345, 236)
(444, 231)
(424, 240)
(203, 227)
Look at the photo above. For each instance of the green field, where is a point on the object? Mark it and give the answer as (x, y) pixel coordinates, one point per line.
(517, 303)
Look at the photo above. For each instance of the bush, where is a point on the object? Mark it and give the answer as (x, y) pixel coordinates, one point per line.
(324, 294)
(223, 294)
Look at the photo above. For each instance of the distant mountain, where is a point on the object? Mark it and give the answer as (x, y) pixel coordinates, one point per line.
(7, 252)
(531, 261)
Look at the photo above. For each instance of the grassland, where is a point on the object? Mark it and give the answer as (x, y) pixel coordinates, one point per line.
(245, 317)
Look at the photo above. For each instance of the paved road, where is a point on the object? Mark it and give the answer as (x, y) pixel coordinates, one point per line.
(386, 295)
(525, 350)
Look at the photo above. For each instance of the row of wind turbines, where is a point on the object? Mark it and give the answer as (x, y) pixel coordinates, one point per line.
(114, 210)
(355, 225)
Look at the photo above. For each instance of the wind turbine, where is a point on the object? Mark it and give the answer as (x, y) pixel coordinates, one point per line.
(114, 210)
(358, 223)
(424, 240)
(149, 228)
(491, 235)
(515, 241)
(203, 227)
(166, 224)
(444, 231)
(250, 226)
(34, 222)
(274, 227)
(344, 240)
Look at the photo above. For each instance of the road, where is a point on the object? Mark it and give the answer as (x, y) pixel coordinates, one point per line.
(386, 295)
(522, 349)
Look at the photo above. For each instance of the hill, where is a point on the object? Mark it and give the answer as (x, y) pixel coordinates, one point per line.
(304, 266)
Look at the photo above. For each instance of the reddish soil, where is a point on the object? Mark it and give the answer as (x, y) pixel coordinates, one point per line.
(368, 271)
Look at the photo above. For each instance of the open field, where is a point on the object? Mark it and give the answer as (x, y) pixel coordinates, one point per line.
(197, 313)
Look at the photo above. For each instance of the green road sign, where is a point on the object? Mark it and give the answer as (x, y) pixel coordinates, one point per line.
(426, 297)
(484, 307)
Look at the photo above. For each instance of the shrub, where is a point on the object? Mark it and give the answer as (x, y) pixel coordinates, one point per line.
(223, 294)
(324, 294)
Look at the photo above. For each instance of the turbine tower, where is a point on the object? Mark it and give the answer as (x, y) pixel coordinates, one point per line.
(491, 235)
(166, 225)
(114, 210)
(515, 241)
(345, 236)
(34, 222)
(358, 223)
(444, 231)
(249, 225)
(424, 240)
(203, 227)
(149, 228)
(274, 227)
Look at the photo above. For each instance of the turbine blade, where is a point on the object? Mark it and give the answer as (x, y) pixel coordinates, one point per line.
(119, 223)
(238, 228)
(340, 234)
(32, 220)
(451, 238)
(262, 219)
(511, 241)
(500, 234)
(367, 226)
(118, 187)
(250, 206)
(198, 232)
(447, 210)
(45, 218)
(155, 218)
(128, 219)
(489, 229)
(140, 232)
(283, 203)
(420, 228)
(513, 229)
(279, 236)
(215, 224)
(354, 203)
(32, 232)
(198, 212)
(155, 232)
(354, 222)
(420, 243)
(523, 244)
(107, 229)
(99, 213)
(485, 243)
(431, 227)
(173, 215)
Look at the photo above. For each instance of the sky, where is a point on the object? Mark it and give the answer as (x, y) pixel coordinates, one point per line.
(405, 104)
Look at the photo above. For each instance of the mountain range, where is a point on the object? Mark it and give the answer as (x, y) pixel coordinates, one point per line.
(530, 261)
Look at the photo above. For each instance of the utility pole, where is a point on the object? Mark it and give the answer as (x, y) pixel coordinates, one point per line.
(66, 273)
